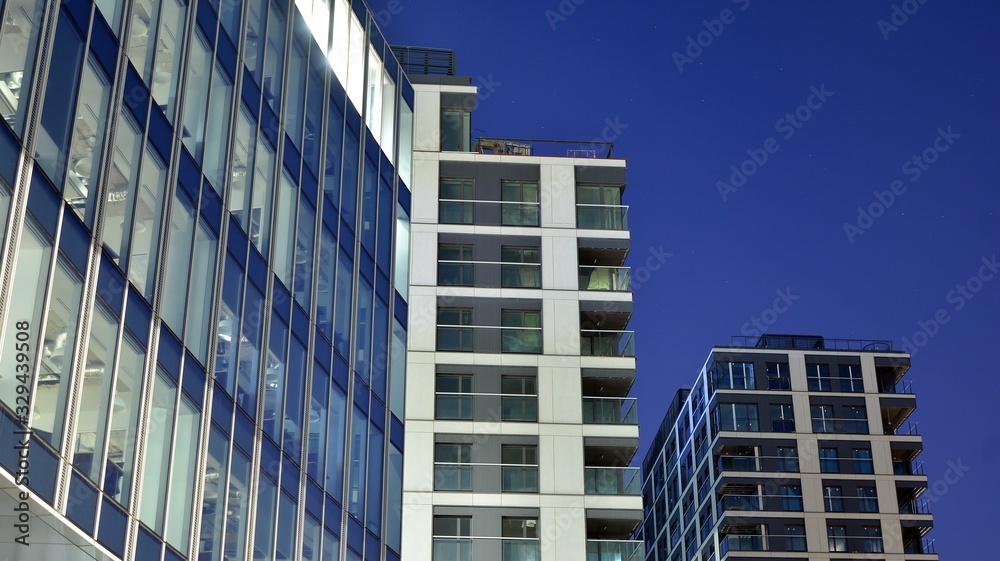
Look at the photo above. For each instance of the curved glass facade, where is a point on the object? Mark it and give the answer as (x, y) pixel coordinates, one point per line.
(204, 210)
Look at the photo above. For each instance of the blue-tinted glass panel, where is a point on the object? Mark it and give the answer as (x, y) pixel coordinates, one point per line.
(87, 141)
(213, 505)
(274, 54)
(250, 350)
(274, 380)
(217, 135)
(304, 246)
(267, 508)
(294, 396)
(81, 506)
(327, 265)
(18, 51)
(112, 529)
(239, 502)
(336, 437)
(358, 467)
(53, 143)
(373, 513)
(345, 305)
(349, 186)
(155, 471)
(364, 330)
(368, 206)
(286, 528)
(316, 447)
(227, 344)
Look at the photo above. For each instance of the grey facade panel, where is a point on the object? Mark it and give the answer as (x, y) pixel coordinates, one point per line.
(600, 174)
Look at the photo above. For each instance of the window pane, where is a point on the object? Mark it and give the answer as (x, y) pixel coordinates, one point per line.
(373, 113)
(244, 146)
(356, 63)
(200, 297)
(274, 382)
(294, 396)
(316, 446)
(53, 140)
(274, 54)
(335, 444)
(304, 246)
(373, 512)
(182, 476)
(213, 504)
(31, 270)
(364, 330)
(263, 195)
(250, 347)
(267, 507)
(345, 305)
(54, 372)
(98, 374)
(124, 420)
(177, 262)
(359, 443)
(388, 116)
(146, 230)
(284, 229)
(17, 50)
(88, 141)
(239, 502)
(122, 185)
(217, 135)
(168, 56)
(154, 471)
(227, 343)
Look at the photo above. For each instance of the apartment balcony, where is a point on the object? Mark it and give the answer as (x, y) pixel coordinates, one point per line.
(601, 217)
(731, 544)
(490, 274)
(485, 477)
(615, 550)
(895, 410)
(610, 411)
(612, 481)
(829, 425)
(488, 213)
(540, 147)
(487, 338)
(499, 549)
(599, 342)
(609, 279)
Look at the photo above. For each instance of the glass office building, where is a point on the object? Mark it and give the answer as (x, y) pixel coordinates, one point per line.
(791, 447)
(204, 210)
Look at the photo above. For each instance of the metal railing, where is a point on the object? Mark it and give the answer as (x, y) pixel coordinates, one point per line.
(601, 217)
(615, 550)
(844, 384)
(612, 481)
(512, 274)
(907, 468)
(814, 343)
(614, 279)
(538, 147)
(829, 425)
(507, 478)
(461, 338)
(911, 428)
(783, 464)
(610, 411)
(903, 387)
(497, 548)
(595, 342)
(757, 542)
(512, 213)
(463, 406)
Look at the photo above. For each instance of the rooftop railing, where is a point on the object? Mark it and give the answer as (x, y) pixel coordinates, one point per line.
(537, 147)
(812, 343)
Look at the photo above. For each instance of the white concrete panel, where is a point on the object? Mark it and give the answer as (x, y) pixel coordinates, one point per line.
(568, 464)
(423, 258)
(426, 119)
(562, 324)
(559, 194)
(421, 332)
(417, 530)
(546, 461)
(567, 398)
(424, 203)
(418, 464)
(420, 392)
(797, 372)
(564, 261)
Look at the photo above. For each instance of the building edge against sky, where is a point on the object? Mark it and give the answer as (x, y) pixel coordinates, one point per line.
(518, 426)
(792, 446)
(204, 210)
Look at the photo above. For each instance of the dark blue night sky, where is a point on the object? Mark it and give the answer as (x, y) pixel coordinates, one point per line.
(801, 167)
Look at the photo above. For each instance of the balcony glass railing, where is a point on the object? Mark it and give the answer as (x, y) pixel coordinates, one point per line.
(607, 343)
(844, 426)
(507, 478)
(755, 542)
(461, 338)
(467, 548)
(490, 274)
(610, 411)
(462, 406)
(601, 217)
(615, 279)
(617, 550)
(739, 502)
(465, 211)
(612, 481)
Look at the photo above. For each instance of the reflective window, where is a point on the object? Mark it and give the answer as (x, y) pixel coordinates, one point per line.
(405, 167)
(349, 185)
(18, 351)
(455, 206)
(213, 504)
(239, 502)
(327, 269)
(178, 261)
(166, 69)
(241, 184)
(199, 72)
(738, 417)
(251, 331)
(253, 52)
(331, 546)
(335, 445)
(142, 35)
(388, 116)
(200, 296)
(345, 289)
(267, 507)
(274, 54)
(359, 458)
(284, 229)
(304, 246)
(229, 14)
(154, 470)
(520, 468)
(369, 186)
(98, 374)
(394, 500)
(401, 272)
(312, 537)
(57, 349)
(341, 30)
(356, 63)
(124, 420)
(453, 396)
(18, 44)
(456, 130)
(295, 87)
(227, 343)
(334, 152)
(314, 113)
(53, 140)
(380, 348)
(263, 195)
(274, 381)
(397, 373)
(373, 512)
(373, 113)
(119, 202)
(146, 229)
(522, 331)
(294, 396)
(217, 135)
(521, 267)
(286, 528)
(453, 467)
(87, 142)
(316, 446)
(362, 356)
(182, 475)
(386, 211)
(112, 11)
